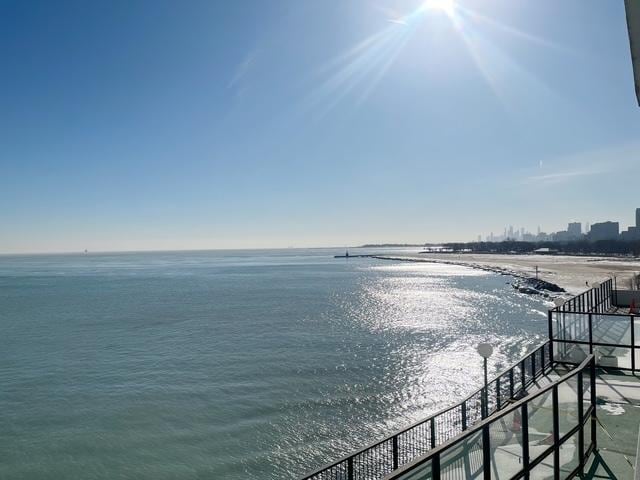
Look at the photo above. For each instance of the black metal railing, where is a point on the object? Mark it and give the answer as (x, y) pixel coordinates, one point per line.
(587, 324)
(381, 458)
(548, 434)
(599, 299)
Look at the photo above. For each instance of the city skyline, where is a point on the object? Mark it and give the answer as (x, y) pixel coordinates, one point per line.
(204, 125)
(575, 230)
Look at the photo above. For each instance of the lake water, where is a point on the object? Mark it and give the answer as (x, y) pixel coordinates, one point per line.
(235, 364)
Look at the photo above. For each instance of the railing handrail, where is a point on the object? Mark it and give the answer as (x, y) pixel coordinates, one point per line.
(605, 314)
(427, 419)
(588, 361)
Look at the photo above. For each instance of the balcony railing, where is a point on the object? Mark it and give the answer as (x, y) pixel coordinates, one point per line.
(381, 458)
(582, 331)
(548, 434)
(595, 300)
(588, 323)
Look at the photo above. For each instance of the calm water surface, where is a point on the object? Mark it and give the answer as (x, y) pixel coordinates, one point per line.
(236, 364)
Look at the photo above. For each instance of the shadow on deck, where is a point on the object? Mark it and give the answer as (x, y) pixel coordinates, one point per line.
(618, 412)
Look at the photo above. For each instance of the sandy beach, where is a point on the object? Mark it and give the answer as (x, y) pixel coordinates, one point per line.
(569, 272)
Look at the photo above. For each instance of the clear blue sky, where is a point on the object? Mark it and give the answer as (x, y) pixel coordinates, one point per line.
(201, 124)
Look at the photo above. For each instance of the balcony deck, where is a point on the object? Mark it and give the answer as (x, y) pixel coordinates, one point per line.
(618, 412)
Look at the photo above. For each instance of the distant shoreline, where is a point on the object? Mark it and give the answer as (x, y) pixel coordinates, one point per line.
(538, 286)
(573, 273)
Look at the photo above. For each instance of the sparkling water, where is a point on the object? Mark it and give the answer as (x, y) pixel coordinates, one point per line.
(235, 364)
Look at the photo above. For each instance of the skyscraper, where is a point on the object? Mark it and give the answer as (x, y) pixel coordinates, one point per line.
(604, 231)
(574, 230)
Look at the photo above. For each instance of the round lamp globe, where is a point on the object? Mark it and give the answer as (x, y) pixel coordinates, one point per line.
(485, 350)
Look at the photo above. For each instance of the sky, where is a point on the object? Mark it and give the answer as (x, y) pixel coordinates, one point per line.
(158, 125)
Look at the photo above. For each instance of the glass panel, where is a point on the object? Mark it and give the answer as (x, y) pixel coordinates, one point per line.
(570, 352)
(421, 472)
(464, 460)
(506, 446)
(544, 470)
(540, 425)
(611, 329)
(613, 357)
(586, 428)
(569, 458)
(586, 392)
(568, 405)
(571, 326)
(636, 321)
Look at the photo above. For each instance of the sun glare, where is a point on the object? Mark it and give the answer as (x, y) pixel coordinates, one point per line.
(445, 6)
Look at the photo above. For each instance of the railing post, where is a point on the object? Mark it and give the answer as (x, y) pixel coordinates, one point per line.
(350, 468)
(433, 432)
(511, 392)
(590, 333)
(464, 415)
(435, 467)
(581, 423)
(533, 365)
(394, 446)
(592, 375)
(483, 402)
(580, 303)
(524, 426)
(498, 393)
(633, 344)
(524, 380)
(556, 434)
(486, 452)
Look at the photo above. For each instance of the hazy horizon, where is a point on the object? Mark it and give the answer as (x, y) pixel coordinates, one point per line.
(158, 126)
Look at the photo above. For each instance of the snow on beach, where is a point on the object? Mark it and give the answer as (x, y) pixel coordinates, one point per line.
(573, 273)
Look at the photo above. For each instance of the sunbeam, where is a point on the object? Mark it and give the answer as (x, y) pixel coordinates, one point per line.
(362, 67)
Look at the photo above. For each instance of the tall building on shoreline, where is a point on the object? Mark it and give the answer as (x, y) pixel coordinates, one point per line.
(574, 229)
(604, 231)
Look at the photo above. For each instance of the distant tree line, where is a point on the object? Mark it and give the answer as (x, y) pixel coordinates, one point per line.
(579, 247)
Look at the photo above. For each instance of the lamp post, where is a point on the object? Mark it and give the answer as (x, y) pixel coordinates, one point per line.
(485, 350)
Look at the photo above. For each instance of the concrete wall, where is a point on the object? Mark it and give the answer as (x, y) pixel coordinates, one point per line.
(622, 298)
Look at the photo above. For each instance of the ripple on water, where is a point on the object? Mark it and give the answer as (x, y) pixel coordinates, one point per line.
(235, 365)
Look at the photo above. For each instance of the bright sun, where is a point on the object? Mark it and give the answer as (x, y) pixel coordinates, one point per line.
(446, 6)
